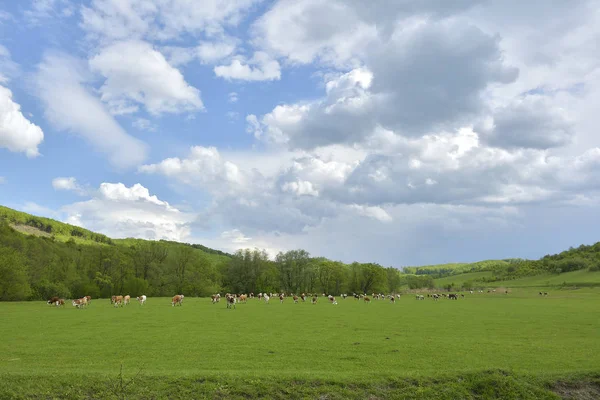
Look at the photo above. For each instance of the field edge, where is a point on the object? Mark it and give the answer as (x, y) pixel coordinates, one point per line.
(491, 384)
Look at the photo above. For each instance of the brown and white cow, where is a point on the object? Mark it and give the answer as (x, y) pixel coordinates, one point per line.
(177, 299)
(295, 299)
(89, 299)
(126, 299)
(141, 299)
(117, 301)
(243, 298)
(367, 300)
(52, 301)
(281, 297)
(231, 300)
(80, 303)
(332, 300)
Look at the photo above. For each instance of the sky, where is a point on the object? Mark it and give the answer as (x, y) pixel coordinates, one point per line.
(405, 133)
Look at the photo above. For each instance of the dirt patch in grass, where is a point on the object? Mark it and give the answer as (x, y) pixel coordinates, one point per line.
(29, 230)
(578, 390)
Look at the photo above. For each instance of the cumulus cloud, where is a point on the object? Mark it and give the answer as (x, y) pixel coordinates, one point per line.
(261, 67)
(70, 106)
(69, 183)
(144, 124)
(233, 97)
(136, 73)
(532, 122)
(204, 167)
(17, 133)
(120, 211)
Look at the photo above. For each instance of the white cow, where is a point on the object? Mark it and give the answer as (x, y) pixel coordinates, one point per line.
(142, 299)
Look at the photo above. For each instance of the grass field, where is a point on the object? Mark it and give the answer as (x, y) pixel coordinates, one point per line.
(574, 278)
(521, 334)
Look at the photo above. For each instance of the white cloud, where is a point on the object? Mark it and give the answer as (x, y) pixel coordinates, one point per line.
(70, 106)
(138, 74)
(17, 133)
(120, 211)
(233, 97)
(69, 183)
(212, 52)
(204, 167)
(261, 67)
(42, 10)
(235, 236)
(108, 20)
(144, 124)
(300, 188)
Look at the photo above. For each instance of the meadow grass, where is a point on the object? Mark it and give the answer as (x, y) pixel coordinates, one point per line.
(263, 349)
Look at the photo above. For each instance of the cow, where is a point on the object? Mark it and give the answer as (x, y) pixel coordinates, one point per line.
(453, 296)
(214, 299)
(266, 297)
(344, 295)
(392, 299)
(332, 300)
(126, 299)
(231, 300)
(314, 299)
(281, 297)
(420, 297)
(295, 299)
(367, 300)
(89, 299)
(435, 296)
(177, 299)
(52, 301)
(303, 297)
(79, 303)
(118, 301)
(141, 299)
(243, 298)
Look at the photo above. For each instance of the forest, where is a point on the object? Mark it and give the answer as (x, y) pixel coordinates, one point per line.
(40, 258)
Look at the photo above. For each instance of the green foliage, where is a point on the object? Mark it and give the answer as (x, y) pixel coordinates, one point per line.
(420, 282)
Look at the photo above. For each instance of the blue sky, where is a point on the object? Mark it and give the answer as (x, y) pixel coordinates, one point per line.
(403, 133)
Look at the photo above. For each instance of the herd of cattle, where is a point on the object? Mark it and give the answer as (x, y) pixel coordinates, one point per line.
(233, 299)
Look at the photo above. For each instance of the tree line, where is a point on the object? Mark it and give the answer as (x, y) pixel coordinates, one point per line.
(36, 268)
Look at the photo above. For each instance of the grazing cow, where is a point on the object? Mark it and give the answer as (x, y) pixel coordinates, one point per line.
(126, 299)
(117, 301)
(453, 296)
(141, 299)
(295, 299)
(243, 298)
(177, 299)
(231, 300)
(332, 300)
(470, 291)
(89, 299)
(52, 301)
(80, 303)
(281, 297)
(344, 295)
(392, 299)
(303, 297)
(266, 297)
(462, 295)
(545, 293)
(436, 297)
(420, 297)
(314, 299)
(214, 299)
(367, 300)
(60, 302)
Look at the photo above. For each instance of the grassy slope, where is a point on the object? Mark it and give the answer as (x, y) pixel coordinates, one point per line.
(45, 227)
(574, 278)
(349, 343)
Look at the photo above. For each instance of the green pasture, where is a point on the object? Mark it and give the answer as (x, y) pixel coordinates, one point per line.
(520, 333)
